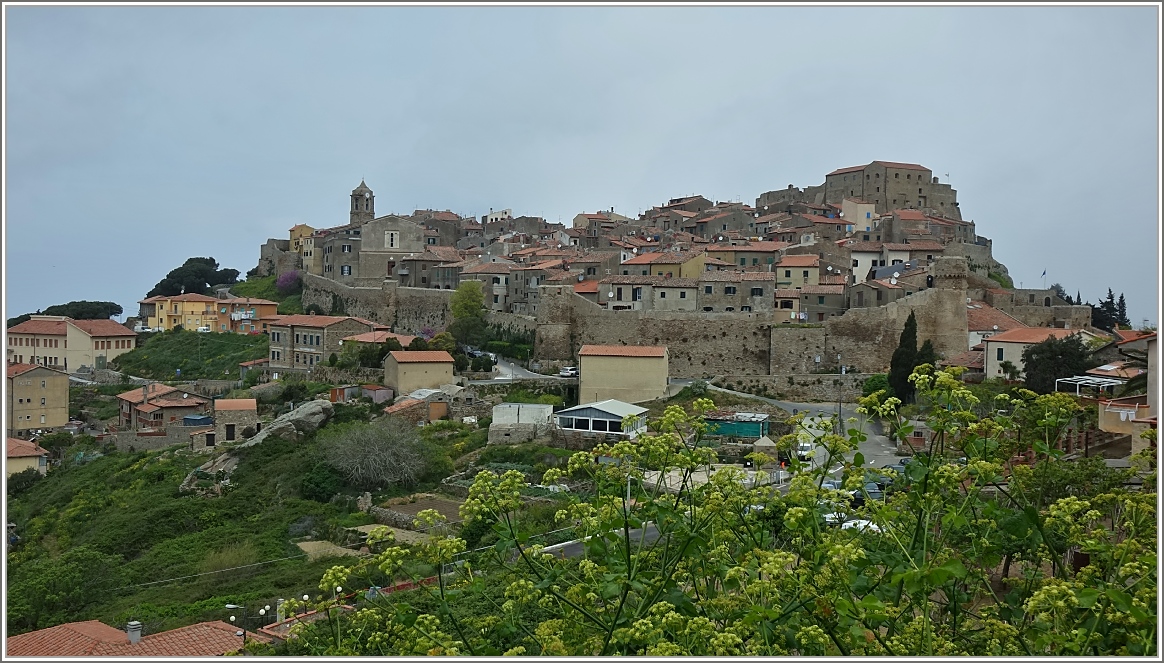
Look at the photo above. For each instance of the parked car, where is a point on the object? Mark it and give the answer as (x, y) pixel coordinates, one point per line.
(141, 329)
(832, 484)
(568, 372)
(804, 450)
(203, 329)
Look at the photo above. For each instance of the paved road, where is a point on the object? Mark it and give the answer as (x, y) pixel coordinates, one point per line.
(508, 372)
(577, 548)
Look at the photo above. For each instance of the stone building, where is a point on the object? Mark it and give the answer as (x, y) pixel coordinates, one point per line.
(156, 406)
(234, 415)
(387, 241)
(300, 342)
(747, 292)
(892, 185)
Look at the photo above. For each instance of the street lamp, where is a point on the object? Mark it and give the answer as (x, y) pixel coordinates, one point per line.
(243, 632)
(840, 387)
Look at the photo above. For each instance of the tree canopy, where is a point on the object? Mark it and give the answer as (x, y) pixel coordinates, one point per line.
(77, 310)
(1055, 358)
(983, 558)
(196, 275)
(903, 360)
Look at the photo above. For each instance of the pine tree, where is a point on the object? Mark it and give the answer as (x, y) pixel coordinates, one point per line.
(1078, 299)
(926, 355)
(1122, 312)
(903, 361)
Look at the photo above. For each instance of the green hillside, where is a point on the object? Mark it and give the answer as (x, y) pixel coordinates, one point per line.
(198, 355)
(263, 287)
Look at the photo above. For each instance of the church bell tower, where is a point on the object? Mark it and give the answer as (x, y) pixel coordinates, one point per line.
(363, 204)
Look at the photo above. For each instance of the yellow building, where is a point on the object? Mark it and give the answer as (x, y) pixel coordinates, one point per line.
(23, 455)
(409, 370)
(37, 398)
(628, 373)
(684, 265)
(298, 234)
(67, 344)
(190, 311)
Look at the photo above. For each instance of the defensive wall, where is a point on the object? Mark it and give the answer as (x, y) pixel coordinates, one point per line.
(406, 310)
(707, 344)
(798, 387)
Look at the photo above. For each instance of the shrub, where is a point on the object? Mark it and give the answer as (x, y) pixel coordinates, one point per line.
(289, 283)
(875, 383)
(22, 481)
(321, 483)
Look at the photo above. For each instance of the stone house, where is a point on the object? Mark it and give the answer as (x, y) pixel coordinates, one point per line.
(676, 264)
(875, 293)
(892, 185)
(67, 344)
(24, 455)
(420, 271)
(37, 398)
(627, 293)
(515, 423)
(630, 373)
(406, 371)
(300, 342)
(787, 305)
(387, 241)
(984, 321)
(378, 393)
(234, 415)
(820, 302)
(156, 406)
(747, 292)
(339, 249)
(596, 264)
(494, 278)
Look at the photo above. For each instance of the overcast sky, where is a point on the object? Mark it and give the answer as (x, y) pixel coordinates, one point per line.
(137, 137)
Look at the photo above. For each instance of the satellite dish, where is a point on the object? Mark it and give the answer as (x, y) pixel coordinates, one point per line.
(830, 268)
(995, 327)
(610, 294)
(634, 250)
(895, 275)
(841, 214)
(892, 281)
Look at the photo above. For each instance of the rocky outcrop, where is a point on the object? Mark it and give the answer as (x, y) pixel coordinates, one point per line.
(296, 424)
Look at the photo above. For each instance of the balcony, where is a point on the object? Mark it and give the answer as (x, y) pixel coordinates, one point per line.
(241, 316)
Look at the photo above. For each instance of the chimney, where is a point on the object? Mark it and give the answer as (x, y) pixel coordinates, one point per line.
(133, 630)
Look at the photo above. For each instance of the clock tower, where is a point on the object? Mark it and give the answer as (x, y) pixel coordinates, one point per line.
(363, 204)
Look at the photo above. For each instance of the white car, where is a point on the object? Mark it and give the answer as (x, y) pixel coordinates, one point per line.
(804, 450)
(203, 329)
(140, 329)
(568, 372)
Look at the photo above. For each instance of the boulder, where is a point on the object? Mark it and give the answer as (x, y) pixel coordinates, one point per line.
(296, 424)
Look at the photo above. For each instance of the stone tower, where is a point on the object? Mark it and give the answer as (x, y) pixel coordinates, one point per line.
(363, 204)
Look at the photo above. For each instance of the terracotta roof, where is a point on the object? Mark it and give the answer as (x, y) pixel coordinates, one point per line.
(661, 256)
(898, 164)
(375, 387)
(43, 327)
(822, 290)
(189, 297)
(380, 336)
(719, 263)
(488, 268)
(842, 171)
(254, 362)
(319, 321)
(92, 638)
(799, 261)
(154, 390)
(146, 408)
(910, 214)
(152, 300)
(885, 284)
(865, 247)
(752, 247)
(787, 293)
(833, 279)
(445, 253)
(1030, 335)
(17, 369)
(924, 246)
(103, 328)
(1125, 335)
(246, 300)
(402, 405)
(622, 351)
(968, 359)
(235, 404)
(23, 449)
(586, 287)
(421, 356)
(981, 316)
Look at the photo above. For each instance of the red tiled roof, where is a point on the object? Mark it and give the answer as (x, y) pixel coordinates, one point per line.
(898, 164)
(1125, 335)
(23, 448)
(924, 246)
(968, 359)
(799, 261)
(235, 404)
(254, 362)
(190, 297)
(380, 337)
(421, 357)
(833, 279)
(884, 284)
(910, 214)
(73, 639)
(402, 405)
(865, 247)
(43, 327)
(668, 257)
(103, 328)
(17, 369)
(246, 300)
(842, 171)
(787, 293)
(981, 316)
(154, 390)
(489, 268)
(1030, 335)
(622, 351)
(375, 387)
(1119, 369)
(586, 287)
(92, 638)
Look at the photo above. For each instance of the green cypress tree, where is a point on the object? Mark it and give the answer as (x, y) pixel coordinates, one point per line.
(903, 361)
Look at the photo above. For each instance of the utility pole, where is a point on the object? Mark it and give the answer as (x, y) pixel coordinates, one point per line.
(840, 387)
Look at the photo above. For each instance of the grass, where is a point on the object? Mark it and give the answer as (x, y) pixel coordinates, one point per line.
(685, 398)
(1002, 280)
(263, 287)
(198, 355)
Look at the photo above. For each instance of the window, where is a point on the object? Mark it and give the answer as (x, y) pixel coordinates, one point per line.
(878, 190)
(786, 303)
(998, 356)
(566, 422)
(855, 263)
(707, 291)
(297, 339)
(346, 270)
(898, 176)
(755, 261)
(43, 384)
(879, 296)
(346, 248)
(599, 424)
(391, 239)
(804, 273)
(494, 299)
(42, 418)
(229, 432)
(746, 309)
(42, 401)
(662, 294)
(729, 308)
(743, 261)
(866, 238)
(707, 308)
(682, 294)
(757, 292)
(729, 290)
